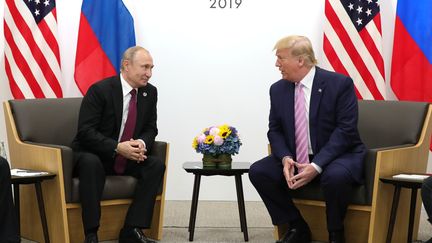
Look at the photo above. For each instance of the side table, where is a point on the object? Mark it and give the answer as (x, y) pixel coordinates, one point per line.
(36, 180)
(237, 169)
(399, 183)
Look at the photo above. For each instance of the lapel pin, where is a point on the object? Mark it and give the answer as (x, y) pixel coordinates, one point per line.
(144, 94)
(320, 90)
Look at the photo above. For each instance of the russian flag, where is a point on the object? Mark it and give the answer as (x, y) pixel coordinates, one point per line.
(106, 30)
(411, 74)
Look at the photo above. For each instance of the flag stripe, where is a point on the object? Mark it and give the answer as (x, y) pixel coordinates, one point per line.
(16, 91)
(353, 50)
(22, 65)
(25, 59)
(336, 45)
(31, 50)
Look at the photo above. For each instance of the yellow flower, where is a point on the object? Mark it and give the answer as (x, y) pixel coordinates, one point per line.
(224, 131)
(195, 143)
(209, 139)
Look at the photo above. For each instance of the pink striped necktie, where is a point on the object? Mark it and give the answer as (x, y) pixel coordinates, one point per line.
(301, 125)
(128, 130)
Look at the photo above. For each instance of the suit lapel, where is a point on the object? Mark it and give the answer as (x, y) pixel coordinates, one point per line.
(117, 96)
(318, 88)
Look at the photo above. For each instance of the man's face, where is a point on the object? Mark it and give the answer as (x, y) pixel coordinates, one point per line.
(139, 70)
(288, 64)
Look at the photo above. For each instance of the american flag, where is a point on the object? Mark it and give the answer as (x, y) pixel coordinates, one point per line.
(32, 60)
(352, 44)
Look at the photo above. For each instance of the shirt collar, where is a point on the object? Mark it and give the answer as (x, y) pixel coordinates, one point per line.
(307, 81)
(126, 88)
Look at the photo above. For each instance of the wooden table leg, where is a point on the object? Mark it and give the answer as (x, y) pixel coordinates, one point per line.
(41, 205)
(395, 204)
(411, 214)
(241, 204)
(194, 206)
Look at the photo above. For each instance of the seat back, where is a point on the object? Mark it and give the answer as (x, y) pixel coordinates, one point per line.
(390, 123)
(46, 121)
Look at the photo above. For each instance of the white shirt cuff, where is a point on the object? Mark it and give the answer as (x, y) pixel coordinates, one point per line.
(317, 168)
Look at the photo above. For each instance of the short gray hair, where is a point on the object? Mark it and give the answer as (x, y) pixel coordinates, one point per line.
(130, 53)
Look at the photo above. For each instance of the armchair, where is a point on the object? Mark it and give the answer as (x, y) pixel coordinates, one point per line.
(40, 132)
(397, 135)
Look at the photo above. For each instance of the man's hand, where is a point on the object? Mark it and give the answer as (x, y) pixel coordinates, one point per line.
(132, 150)
(308, 174)
(288, 170)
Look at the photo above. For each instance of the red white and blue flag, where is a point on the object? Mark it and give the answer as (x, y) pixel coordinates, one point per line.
(353, 44)
(411, 73)
(32, 59)
(106, 30)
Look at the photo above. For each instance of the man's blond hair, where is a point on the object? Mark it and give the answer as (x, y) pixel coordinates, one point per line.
(299, 46)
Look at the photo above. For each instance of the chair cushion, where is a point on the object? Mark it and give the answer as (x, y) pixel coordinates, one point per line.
(115, 187)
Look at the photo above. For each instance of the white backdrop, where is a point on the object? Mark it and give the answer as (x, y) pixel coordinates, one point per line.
(212, 66)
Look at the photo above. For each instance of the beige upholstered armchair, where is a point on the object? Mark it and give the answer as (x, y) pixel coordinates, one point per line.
(40, 132)
(397, 135)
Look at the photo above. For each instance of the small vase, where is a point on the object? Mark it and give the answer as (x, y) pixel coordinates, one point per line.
(221, 160)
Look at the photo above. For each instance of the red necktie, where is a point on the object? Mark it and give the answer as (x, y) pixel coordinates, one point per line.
(301, 126)
(120, 161)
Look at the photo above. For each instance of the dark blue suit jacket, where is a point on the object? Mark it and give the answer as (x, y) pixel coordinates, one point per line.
(333, 115)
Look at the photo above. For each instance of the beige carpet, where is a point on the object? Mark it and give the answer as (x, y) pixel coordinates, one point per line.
(219, 222)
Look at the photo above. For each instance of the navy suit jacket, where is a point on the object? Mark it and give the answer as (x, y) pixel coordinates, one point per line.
(101, 113)
(333, 115)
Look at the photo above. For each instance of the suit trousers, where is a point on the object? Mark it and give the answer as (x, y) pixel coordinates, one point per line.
(92, 171)
(426, 194)
(335, 181)
(8, 221)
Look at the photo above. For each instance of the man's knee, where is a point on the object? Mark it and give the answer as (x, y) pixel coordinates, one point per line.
(336, 177)
(4, 167)
(89, 163)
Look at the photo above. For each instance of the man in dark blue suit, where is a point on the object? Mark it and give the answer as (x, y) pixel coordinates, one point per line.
(333, 152)
(8, 221)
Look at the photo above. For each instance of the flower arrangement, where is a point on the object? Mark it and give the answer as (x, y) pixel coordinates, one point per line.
(217, 140)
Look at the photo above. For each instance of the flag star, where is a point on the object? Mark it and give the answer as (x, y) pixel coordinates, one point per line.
(359, 21)
(37, 1)
(351, 6)
(359, 9)
(368, 12)
(37, 12)
(369, 1)
(47, 2)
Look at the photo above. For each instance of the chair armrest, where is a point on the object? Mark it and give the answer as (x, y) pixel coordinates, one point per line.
(67, 163)
(370, 167)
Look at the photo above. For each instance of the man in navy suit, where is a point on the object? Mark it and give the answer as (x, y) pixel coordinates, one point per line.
(426, 194)
(8, 221)
(103, 118)
(333, 150)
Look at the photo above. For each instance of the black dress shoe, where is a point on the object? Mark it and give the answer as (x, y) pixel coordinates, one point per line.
(133, 235)
(297, 235)
(91, 238)
(337, 237)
